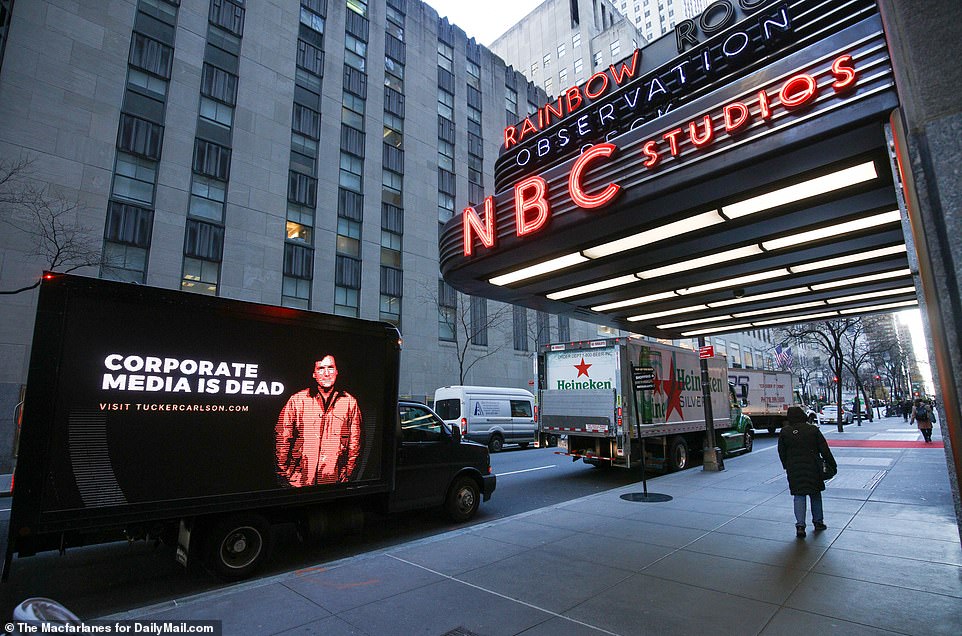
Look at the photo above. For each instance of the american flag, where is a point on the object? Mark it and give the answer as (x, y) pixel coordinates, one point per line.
(783, 356)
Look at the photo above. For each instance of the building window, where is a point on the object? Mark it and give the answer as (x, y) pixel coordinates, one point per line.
(447, 311)
(446, 56)
(546, 60)
(562, 50)
(227, 15)
(511, 99)
(393, 131)
(211, 159)
(139, 136)
(346, 301)
(445, 155)
(147, 83)
(134, 178)
(207, 198)
(544, 328)
(474, 74)
(445, 207)
(576, 40)
(534, 69)
(311, 20)
(390, 309)
(520, 328)
(355, 53)
(598, 59)
(615, 49)
(352, 111)
(390, 249)
(579, 65)
(348, 237)
(393, 74)
(124, 262)
(549, 86)
(445, 104)
(395, 22)
(392, 185)
(200, 276)
(150, 55)
(351, 172)
(358, 6)
(296, 292)
(479, 321)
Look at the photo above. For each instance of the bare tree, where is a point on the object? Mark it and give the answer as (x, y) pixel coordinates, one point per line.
(827, 337)
(859, 353)
(48, 221)
(469, 328)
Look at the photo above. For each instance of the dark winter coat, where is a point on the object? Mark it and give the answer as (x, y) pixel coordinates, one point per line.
(799, 448)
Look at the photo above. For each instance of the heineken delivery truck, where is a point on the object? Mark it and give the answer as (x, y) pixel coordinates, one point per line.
(587, 404)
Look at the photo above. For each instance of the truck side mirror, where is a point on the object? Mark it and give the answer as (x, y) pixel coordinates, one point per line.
(456, 434)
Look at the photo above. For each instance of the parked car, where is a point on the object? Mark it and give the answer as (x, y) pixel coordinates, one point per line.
(829, 415)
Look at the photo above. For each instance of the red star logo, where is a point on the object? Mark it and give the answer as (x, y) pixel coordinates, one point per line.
(582, 368)
(673, 390)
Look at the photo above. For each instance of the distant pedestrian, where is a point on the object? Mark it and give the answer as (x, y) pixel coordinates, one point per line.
(922, 415)
(906, 410)
(803, 450)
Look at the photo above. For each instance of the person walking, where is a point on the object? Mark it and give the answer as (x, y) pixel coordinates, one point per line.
(922, 415)
(803, 450)
(906, 409)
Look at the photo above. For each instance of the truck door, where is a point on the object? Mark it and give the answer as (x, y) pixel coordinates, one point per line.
(424, 459)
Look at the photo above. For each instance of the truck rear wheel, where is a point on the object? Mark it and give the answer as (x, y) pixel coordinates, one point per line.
(496, 443)
(749, 440)
(237, 546)
(463, 499)
(677, 454)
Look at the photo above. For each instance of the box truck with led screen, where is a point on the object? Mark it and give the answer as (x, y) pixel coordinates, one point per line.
(202, 421)
(587, 401)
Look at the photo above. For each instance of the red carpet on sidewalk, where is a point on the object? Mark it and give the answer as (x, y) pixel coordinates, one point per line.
(881, 443)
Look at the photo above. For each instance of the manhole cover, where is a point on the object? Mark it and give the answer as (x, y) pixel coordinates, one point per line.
(651, 497)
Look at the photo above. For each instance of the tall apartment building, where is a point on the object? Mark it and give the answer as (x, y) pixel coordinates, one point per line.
(655, 18)
(561, 43)
(299, 153)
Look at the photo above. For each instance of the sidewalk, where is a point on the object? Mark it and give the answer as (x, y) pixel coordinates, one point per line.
(721, 557)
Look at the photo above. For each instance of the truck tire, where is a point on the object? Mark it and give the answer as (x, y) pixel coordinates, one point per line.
(496, 443)
(771, 430)
(552, 440)
(237, 546)
(523, 445)
(678, 458)
(749, 440)
(463, 499)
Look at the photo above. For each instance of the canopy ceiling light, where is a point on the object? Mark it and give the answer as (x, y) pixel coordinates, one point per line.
(695, 322)
(593, 287)
(832, 230)
(873, 295)
(647, 237)
(702, 261)
(750, 299)
(667, 312)
(775, 310)
(848, 259)
(802, 318)
(804, 190)
(898, 273)
(537, 270)
(904, 303)
(738, 327)
(640, 300)
(737, 281)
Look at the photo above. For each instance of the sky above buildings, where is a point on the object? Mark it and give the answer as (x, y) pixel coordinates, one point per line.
(484, 21)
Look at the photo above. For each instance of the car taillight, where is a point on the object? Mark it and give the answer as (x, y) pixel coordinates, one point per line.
(464, 426)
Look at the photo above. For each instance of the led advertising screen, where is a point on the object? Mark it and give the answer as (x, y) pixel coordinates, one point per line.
(172, 398)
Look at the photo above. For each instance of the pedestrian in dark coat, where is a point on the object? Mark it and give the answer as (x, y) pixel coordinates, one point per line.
(802, 449)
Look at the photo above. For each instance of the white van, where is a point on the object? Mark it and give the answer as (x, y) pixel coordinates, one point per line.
(488, 414)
